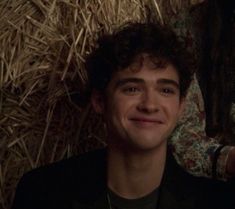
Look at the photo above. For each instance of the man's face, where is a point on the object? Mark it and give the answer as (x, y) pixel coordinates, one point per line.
(141, 107)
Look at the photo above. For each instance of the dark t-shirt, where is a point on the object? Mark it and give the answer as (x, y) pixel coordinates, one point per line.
(147, 202)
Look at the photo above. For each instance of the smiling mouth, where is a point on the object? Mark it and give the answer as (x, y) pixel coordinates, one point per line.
(146, 121)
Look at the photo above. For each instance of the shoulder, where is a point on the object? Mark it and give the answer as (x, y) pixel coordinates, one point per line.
(74, 166)
(61, 181)
(198, 191)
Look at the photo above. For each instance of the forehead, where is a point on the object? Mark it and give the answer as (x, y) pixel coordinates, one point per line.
(148, 72)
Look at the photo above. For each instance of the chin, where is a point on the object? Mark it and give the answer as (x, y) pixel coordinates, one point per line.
(145, 143)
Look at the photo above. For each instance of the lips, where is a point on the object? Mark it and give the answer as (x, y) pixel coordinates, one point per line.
(145, 120)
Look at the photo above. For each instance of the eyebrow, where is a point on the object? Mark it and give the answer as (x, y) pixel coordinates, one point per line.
(168, 81)
(124, 81)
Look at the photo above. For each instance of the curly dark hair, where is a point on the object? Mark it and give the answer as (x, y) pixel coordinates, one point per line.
(120, 49)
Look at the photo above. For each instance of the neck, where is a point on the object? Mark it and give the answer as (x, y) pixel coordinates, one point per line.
(134, 175)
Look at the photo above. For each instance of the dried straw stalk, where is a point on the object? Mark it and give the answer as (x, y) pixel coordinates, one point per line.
(43, 45)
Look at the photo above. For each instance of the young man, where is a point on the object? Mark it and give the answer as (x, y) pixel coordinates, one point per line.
(138, 77)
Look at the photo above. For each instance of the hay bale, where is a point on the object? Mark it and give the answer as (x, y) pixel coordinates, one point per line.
(43, 45)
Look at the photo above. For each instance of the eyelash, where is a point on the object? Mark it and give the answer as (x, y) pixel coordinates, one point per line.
(167, 91)
(131, 90)
(134, 90)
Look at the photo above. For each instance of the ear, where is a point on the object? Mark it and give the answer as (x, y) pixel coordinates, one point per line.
(97, 101)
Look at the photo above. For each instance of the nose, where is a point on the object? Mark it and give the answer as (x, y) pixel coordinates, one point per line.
(149, 102)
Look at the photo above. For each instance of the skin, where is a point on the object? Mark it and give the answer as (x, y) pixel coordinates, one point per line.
(140, 108)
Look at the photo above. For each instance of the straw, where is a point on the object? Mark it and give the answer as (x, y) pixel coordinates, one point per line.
(43, 47)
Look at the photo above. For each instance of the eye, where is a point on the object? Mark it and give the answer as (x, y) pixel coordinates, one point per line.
(168, 91)
(131, 90)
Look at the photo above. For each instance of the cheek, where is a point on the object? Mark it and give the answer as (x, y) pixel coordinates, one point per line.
(173, 109)
(113, 110)
(120, 107)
